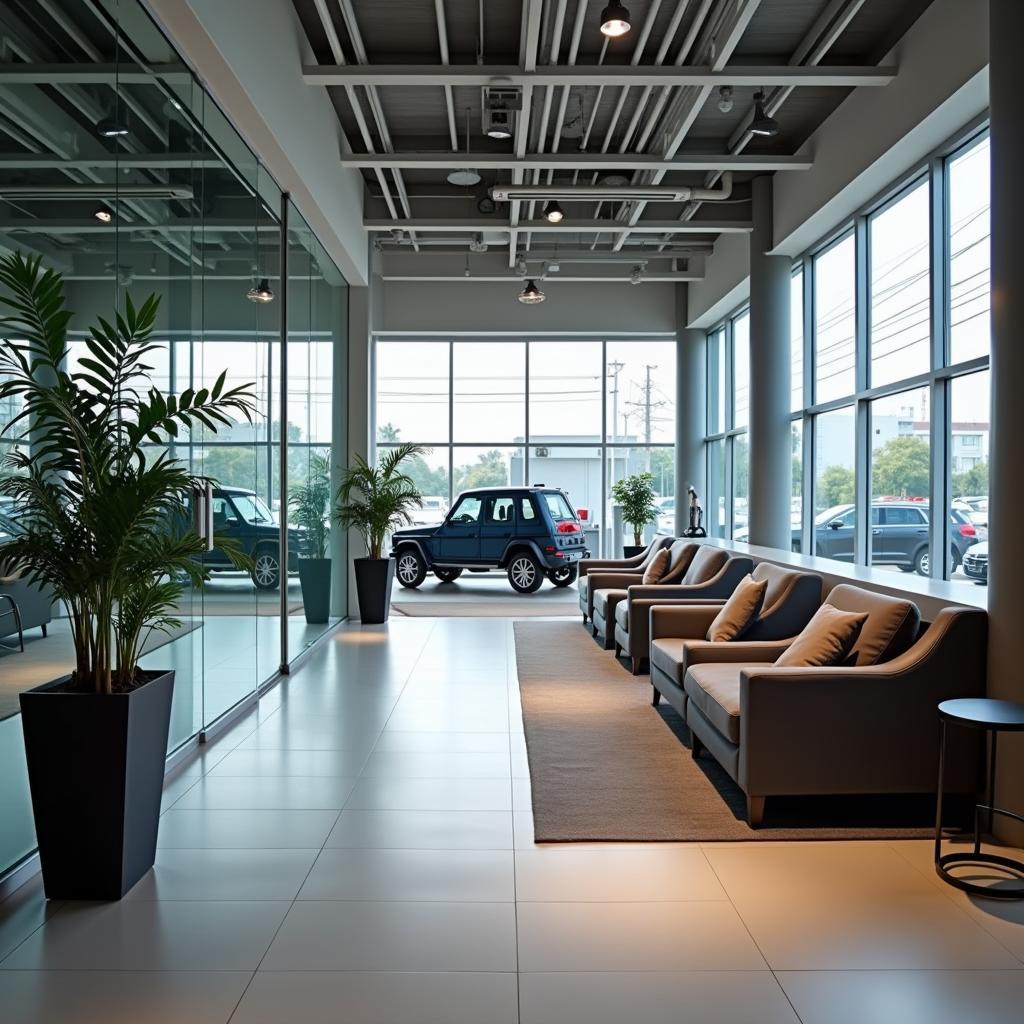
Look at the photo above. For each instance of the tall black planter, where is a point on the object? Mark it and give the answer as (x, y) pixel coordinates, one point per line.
(632, 550)
(315, 579)
(374, 577)
(96, 772)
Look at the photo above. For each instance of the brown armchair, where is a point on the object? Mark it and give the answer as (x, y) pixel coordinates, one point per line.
(606, 566)
(790, 599)
(869, 726)
(607, 589)
(708, 578)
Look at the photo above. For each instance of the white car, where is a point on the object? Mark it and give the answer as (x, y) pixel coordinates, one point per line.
(432, 512)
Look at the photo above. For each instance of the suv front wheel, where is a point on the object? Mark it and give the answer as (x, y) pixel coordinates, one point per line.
(266, 569)
(524, 573)
(411, 569)
(563, 577)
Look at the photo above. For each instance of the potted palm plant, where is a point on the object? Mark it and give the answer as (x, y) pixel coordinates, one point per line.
(374, 500)
(107, 527)
(310, 501)
(635, 494)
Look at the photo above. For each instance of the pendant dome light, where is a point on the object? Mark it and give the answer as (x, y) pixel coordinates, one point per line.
(531, 295)
(260, 292)
(553, 213)
(465, 177)
(762, 124)
(615, 21)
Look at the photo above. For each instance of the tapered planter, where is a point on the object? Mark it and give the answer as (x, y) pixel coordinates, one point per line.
(632, 550)
(315, 579)
(96, 773)
(374, 577)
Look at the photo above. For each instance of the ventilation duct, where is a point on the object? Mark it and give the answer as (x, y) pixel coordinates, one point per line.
(613, 193)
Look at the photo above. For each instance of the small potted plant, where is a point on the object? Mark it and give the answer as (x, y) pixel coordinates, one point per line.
(374, 500)
(311, 501)
(106, 526)
(635, 494)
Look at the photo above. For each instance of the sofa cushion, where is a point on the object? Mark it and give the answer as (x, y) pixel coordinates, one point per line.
(706, 563)
(667, 654)
(622, 615)
(740, 611)
(658, 567)
(715, 689)
(604, 598)
(891, 628)
(826, 640)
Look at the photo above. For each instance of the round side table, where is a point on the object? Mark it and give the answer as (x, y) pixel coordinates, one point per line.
(994, 717)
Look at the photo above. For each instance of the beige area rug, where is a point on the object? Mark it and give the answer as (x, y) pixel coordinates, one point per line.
(607, 766)
(505, 610)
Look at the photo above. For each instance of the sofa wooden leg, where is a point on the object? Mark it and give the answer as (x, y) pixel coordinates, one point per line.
(593, 629)
(755, 811)
(584, 618)
(44, 629)
(637, 664)
(655, 696)
(695, 746)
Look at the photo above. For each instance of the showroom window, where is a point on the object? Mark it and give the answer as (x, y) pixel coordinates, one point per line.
(890, 395)
(577, 414)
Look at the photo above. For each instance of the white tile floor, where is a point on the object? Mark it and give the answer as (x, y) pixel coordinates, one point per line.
(360, 849)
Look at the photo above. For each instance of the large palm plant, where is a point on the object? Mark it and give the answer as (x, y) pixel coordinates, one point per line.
(310, 501)
(105, 509)
(374, 500)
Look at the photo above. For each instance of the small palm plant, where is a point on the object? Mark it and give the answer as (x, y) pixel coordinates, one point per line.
(103, 505)
(374, 500)
(310, 502)
(636, 496)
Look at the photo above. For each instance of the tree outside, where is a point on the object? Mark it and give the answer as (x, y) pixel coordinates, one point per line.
(901, 468)
(489, 470)
(972, 481)
(835, 487)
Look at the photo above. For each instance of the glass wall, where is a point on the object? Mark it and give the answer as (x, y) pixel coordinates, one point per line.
(891, 415)
(170, 202)
(575, 414)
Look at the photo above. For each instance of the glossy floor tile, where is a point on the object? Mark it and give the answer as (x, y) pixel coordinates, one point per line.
(360, 849)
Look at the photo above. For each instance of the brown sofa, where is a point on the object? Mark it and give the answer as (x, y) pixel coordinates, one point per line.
(632, 627)
(868, 726)
(607, 589)
(790, 599)
(634, 566)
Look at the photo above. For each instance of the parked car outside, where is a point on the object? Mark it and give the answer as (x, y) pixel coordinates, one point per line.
(431, 512)
(899, 534)
(667, 516)
(533, 533)
(975, 564)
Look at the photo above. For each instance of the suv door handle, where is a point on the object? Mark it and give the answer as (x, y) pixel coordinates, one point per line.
(876, 533)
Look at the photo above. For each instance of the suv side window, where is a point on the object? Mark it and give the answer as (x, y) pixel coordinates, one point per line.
(499, 510)
(222, 511)
(903, 517)
(526, 510)
(467, 511)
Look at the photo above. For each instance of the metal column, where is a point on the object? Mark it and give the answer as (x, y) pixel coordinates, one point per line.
(283, 405)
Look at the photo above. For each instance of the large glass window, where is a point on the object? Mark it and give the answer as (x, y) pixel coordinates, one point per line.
(741, 370)
(835, 321)
(968, 231)
(716, 382)
(900, 286)
(413, 383)
(969, 461)
(488, 391)
(796, 340)
(835, 512)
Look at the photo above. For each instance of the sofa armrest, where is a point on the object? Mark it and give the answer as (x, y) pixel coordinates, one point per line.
(681, 621)
(865, 729)
(639, 615)
(591, 565)
(737, 652)
(613, 581)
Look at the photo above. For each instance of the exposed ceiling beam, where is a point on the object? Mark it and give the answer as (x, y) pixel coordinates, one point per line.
(567, 227)
(94, 74)
(588, 74)
(582, 161)
(124, 161)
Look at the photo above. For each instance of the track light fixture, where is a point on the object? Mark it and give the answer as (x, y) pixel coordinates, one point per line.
(553, 213)
(725, 98)
(615, 20)
(636, 275)
(260, 292)
(111, 128)
(103, 213)
(762, 124)
(531, 294)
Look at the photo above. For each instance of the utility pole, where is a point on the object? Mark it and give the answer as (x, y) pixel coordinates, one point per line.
(647, 405)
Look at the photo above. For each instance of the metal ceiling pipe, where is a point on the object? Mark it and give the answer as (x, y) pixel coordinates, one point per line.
(442, 42)
(357, 109)
(625, 193)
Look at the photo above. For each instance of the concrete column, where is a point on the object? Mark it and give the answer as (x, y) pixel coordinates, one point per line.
(359, 440)
(770, 456)
(1006, 482)
(691, 416)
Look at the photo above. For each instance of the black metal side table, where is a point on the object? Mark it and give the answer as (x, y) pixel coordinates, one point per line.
(994, 716)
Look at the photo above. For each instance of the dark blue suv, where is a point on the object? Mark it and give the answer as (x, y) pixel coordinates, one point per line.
(530, 532)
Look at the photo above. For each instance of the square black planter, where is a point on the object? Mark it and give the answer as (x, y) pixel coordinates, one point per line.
(96, 772)
(374, 579)
(315, 580)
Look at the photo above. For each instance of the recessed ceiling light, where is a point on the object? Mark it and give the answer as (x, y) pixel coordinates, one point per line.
(260, 292)
(762, 124)
(531, 294)
(553, 213)
(615, 20)
(111, 128)
(103, 213)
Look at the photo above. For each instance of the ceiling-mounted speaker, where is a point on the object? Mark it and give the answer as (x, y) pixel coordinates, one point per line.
(499, 111)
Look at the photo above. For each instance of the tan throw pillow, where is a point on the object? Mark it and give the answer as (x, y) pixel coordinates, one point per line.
(655, 571)
(825, 640)
(740, 611)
